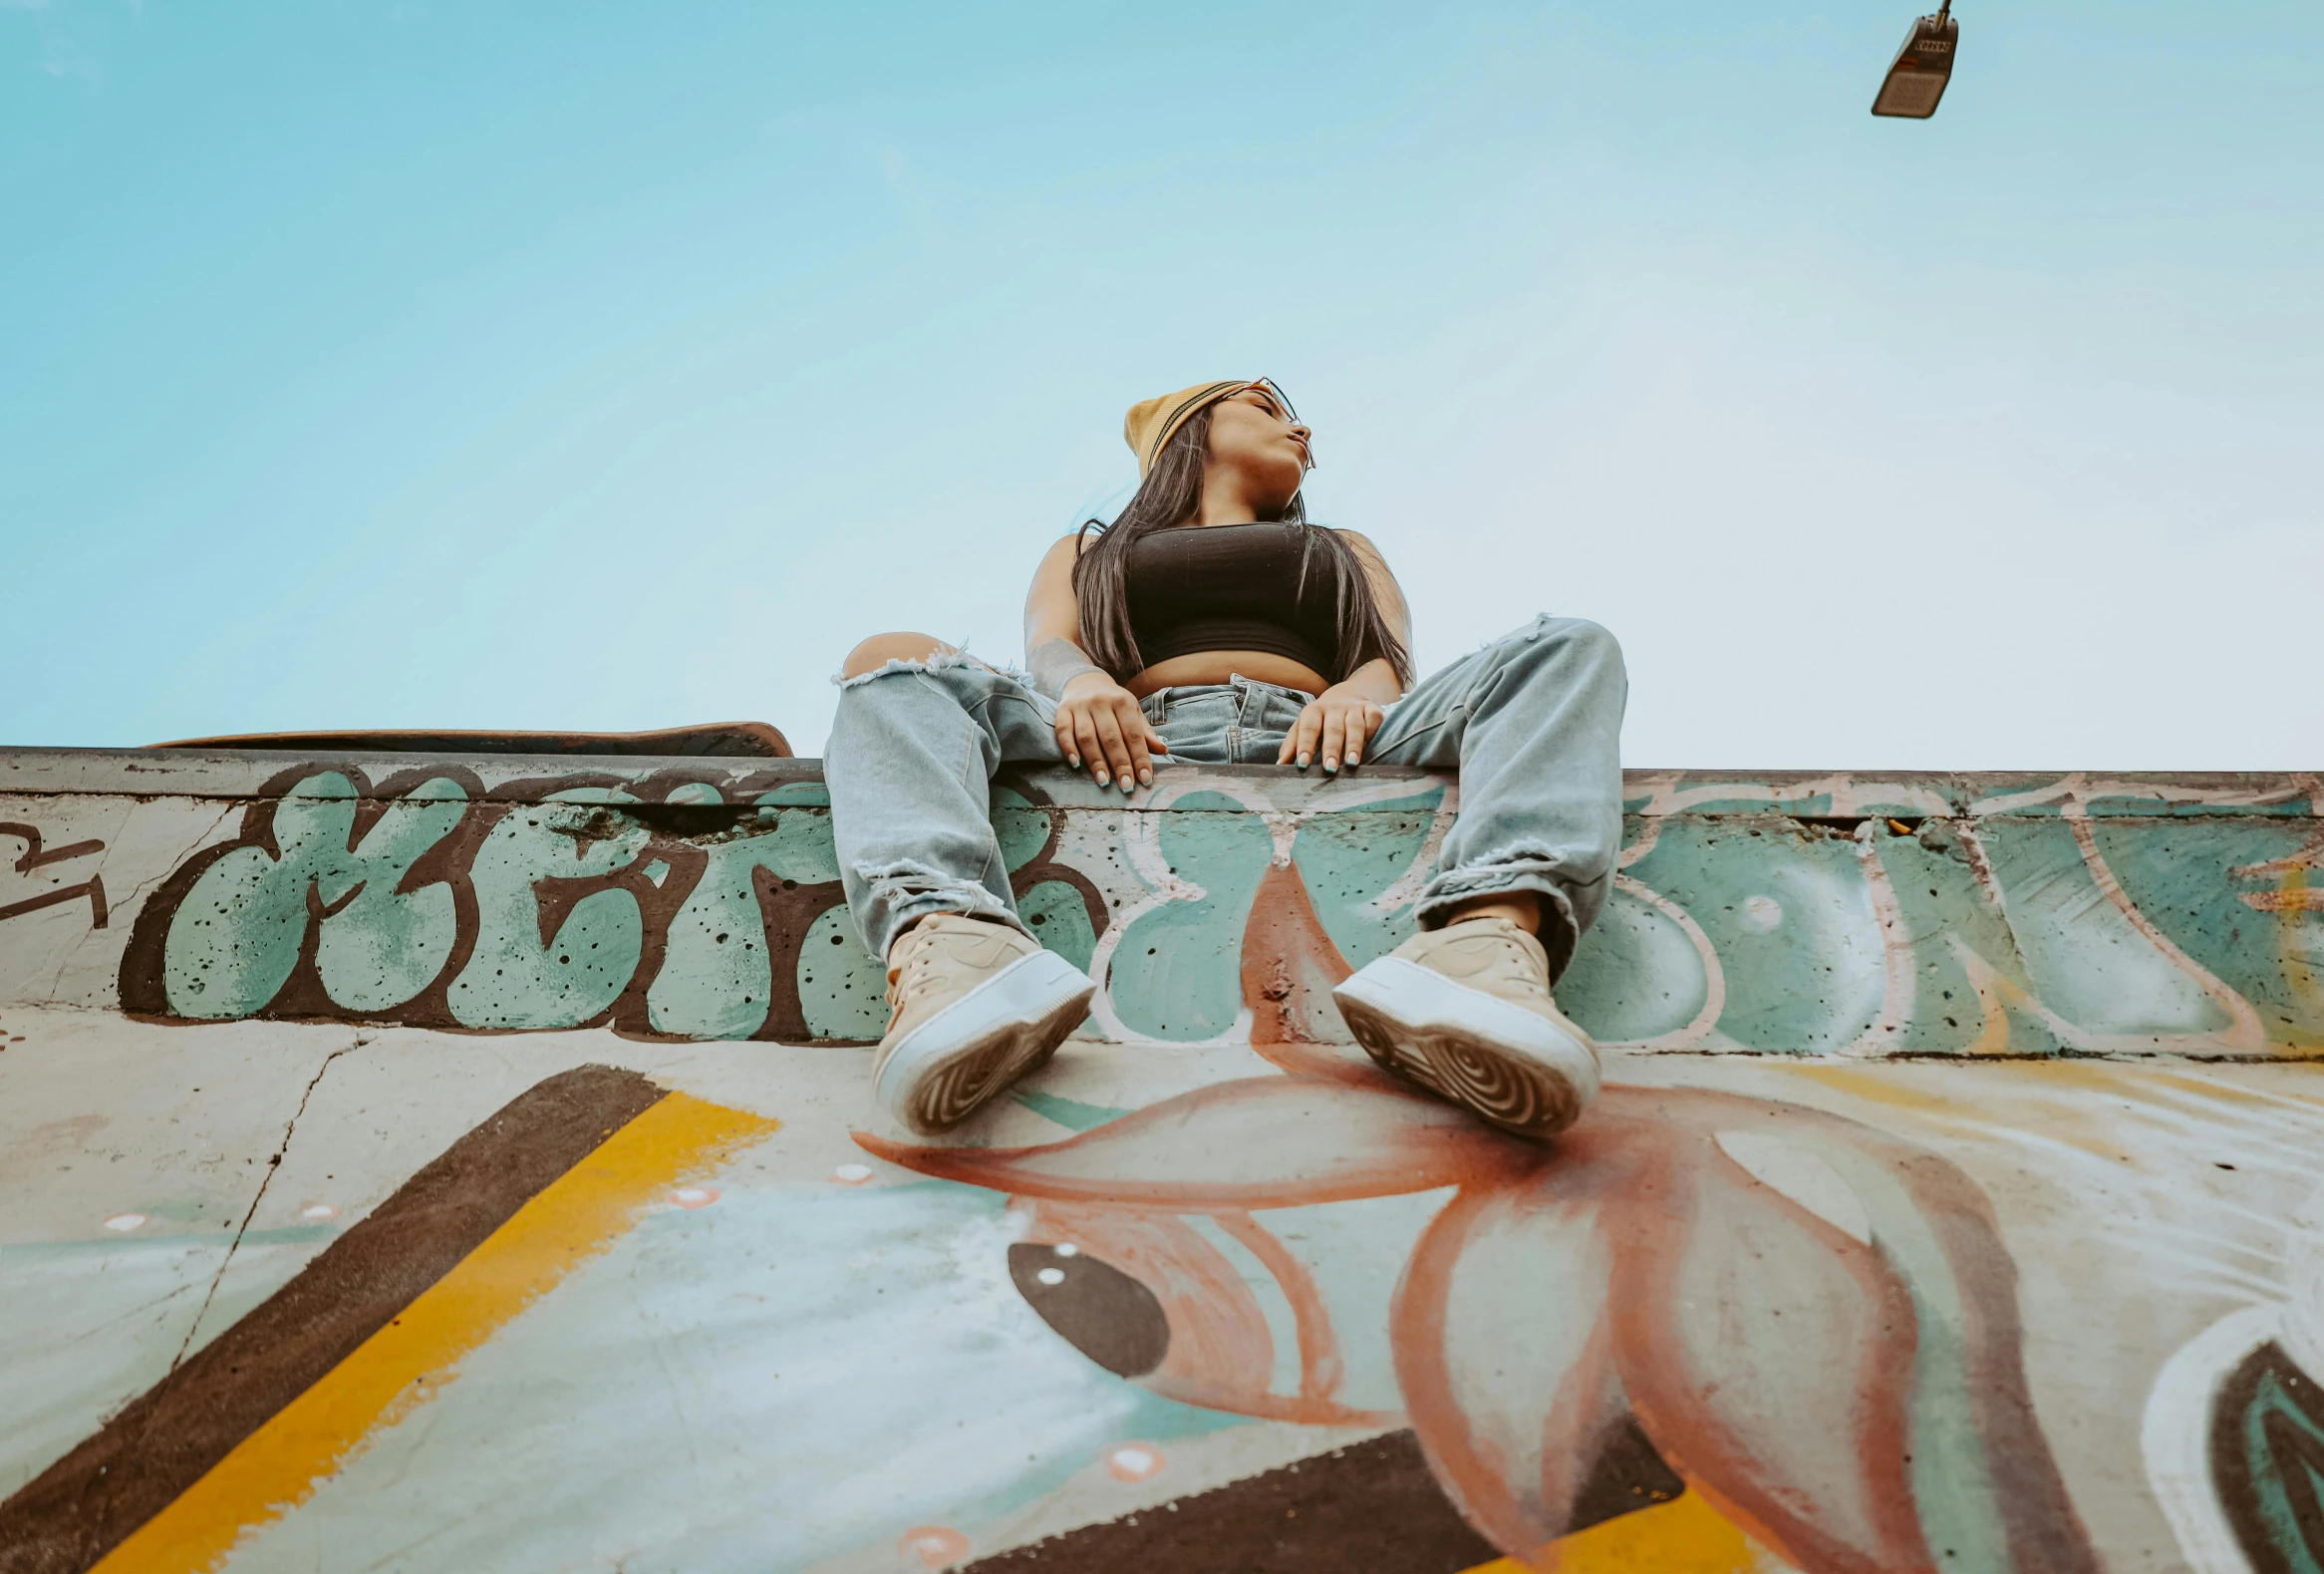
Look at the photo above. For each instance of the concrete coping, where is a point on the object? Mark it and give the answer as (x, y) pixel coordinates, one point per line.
(1838, 795)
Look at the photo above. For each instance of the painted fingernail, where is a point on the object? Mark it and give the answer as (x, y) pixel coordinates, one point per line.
(1075, 761)
(1146, 776)
(1303, 762)
(1331, 763)
(1101, 778)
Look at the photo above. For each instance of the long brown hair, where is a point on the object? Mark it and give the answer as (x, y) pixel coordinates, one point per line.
(1170, 496)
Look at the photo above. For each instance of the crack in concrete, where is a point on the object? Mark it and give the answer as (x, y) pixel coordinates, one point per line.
(202, 843)
(273, 1165)
(124, 909)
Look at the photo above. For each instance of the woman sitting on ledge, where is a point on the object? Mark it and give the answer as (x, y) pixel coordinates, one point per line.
(1211, 623)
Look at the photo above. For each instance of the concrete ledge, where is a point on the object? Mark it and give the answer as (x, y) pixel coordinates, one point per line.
(245, 772)
(1785, 913)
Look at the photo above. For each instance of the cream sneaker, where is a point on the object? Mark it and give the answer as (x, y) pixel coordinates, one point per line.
(1465, 1011)
(977, 1005)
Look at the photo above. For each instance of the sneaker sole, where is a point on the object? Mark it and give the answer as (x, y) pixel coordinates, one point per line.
(946, 1068)
(1519, 1070)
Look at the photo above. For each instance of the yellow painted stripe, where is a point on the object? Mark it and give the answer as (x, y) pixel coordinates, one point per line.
(2291, 937)
(1683, 1536)
(408, 1362)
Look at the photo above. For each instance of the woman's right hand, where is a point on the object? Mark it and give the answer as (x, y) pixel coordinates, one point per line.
(1101, 723)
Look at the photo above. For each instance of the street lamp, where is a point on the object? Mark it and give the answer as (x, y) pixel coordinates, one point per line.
(1922, 67)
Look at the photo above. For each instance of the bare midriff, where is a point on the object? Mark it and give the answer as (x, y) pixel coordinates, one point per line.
(1217, 665)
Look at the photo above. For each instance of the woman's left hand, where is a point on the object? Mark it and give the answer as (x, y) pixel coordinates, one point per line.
(1338, 723)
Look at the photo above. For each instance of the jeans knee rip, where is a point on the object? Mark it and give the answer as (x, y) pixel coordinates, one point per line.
(941, 661)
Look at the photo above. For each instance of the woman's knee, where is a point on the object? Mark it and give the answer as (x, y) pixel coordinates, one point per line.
(880, 649)
(1565, 636)
(1591, 640)
(1563, 651)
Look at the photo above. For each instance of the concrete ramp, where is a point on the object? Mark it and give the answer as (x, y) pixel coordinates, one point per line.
(442, 1162)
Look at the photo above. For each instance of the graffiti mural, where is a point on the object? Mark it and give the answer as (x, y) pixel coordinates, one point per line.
(665, 907)
(385, 1186)
(2085, 915)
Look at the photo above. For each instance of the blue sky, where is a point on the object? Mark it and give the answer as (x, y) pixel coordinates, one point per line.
(594, 366)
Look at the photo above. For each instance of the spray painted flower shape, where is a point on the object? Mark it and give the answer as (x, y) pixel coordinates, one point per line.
(1814, 1324)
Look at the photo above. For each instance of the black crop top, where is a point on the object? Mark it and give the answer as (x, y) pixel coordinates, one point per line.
(1194, 588)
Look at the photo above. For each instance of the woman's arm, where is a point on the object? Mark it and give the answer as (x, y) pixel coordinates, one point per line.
(1097, 719)
(1341, 719)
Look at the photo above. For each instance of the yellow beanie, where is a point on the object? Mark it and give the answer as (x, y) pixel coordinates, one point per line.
(1152, 422)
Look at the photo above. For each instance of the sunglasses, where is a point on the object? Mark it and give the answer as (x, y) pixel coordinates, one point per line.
(1279, 402)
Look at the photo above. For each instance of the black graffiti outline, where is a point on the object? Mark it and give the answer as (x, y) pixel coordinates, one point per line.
(2267, 1391)
(788, 909)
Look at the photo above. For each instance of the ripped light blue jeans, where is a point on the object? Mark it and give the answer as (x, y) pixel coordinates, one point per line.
(1531, 722)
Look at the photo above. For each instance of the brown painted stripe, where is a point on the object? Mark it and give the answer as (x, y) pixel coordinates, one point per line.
(1372, 1506)
(88, 1502)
